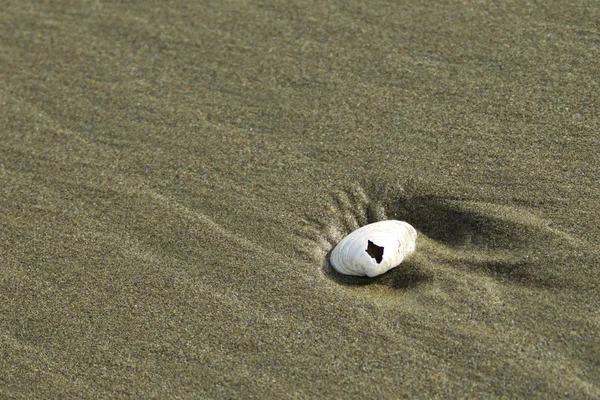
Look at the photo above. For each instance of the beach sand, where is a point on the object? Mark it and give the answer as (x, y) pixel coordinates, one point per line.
(173, 176)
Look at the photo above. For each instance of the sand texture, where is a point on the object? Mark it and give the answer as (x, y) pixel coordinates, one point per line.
(174, 174)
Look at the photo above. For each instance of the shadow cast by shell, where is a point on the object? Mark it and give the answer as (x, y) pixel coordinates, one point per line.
(501, 243)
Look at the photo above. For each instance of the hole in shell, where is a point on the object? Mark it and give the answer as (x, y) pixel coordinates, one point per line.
(375, 251)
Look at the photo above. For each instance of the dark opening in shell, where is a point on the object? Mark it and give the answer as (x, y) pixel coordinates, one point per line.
(375, 251)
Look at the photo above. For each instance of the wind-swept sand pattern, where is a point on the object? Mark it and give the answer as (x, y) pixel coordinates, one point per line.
(173, 176)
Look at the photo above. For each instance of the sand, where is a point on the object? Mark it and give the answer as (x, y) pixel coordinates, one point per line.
(173, 176)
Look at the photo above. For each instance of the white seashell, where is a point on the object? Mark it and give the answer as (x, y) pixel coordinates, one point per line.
(374, 249)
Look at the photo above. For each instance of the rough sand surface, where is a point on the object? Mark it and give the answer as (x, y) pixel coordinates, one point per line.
(173, 175)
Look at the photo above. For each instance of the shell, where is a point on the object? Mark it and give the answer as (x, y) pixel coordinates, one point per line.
(374, 249)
